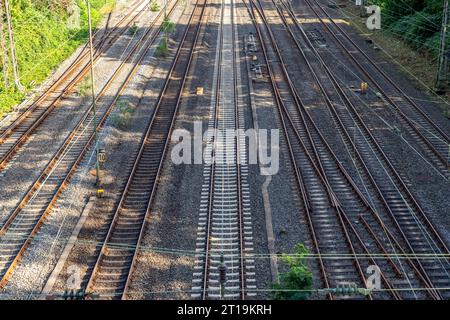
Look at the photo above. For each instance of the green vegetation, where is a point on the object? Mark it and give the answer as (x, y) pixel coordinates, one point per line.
(134, 29)
(154, 6)
(85, 87)
(417, 22)
(162, 48)
(123, 115)
(295, 284)
(168, 26)
(45, 35)
(409, 36)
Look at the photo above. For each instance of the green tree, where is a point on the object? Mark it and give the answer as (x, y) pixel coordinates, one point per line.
(417, 22)
(295, 284)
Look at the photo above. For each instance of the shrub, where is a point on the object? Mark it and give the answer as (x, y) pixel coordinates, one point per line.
(168, 26)
(123, 115)
(43, 38)
(295, 284)
(162, 48)
(133, 29)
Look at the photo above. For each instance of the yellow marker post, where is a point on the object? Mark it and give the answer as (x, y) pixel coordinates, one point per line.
(364, 87)
(100, 193)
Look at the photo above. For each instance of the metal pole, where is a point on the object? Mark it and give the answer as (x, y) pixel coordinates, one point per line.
(3, 47)
(12, 47)
(94, 107)
(442, 71)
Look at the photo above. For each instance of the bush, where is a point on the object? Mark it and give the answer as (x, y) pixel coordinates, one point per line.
(295, 284)
(43, 39)
(133, 29)
(168, 26)
(123, 115)
(417, 22)
(162, 48)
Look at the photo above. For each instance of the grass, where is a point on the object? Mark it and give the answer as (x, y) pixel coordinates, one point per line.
(43, 40)
(163, 47)
(85, 87)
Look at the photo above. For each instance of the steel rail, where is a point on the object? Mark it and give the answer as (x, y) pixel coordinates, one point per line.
(62, 151)
(34, 110)
(242, 279)
(357, 235)
(213, 163)
(340, 212)
(172, 81)
(342, 32)
(379, 149)
(343, 128)
(238, 161)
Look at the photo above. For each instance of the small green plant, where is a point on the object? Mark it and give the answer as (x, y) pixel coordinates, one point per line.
(295, 284)
(133, 29)
(154, 6)
(168, 26)
(162, 48)
(447, 112)
(85, 88)
(124, 114)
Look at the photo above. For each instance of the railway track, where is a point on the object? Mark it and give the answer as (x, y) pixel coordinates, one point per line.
(399, 209)
(24, 222)
(21, 129)
(225, 237)
(354, 235)
(111, 274)
(433, 142)
(314, 189)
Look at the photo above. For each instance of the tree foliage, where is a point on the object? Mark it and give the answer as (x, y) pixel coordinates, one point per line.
(296, 283)
(43, 40)
(417, 22)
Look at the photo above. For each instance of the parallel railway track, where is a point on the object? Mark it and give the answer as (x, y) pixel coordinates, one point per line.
(225, 236)
(21, 129)
(111, 275)
(354, 235)
(314, 189)
(24, 222)
(433, 141)
(398, 207)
